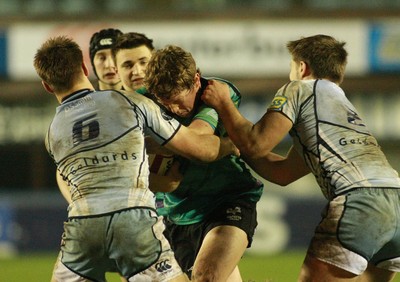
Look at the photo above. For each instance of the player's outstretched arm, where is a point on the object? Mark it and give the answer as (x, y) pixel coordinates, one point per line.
(253, 140)
(200, 147)
(217, 96)
(279, 169)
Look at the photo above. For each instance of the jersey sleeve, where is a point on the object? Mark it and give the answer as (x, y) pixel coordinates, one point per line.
(157, 123)
(288, 100)
(210, 115)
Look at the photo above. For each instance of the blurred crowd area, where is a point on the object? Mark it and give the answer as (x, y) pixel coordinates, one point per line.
(116, 8)
(30, 203)
(25, 165)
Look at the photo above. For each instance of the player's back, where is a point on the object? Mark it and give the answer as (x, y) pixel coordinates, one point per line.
(96, 139)
(340, 150)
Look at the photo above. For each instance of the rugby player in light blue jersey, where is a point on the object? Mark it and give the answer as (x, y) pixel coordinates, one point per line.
(358, 238)
(97, 142)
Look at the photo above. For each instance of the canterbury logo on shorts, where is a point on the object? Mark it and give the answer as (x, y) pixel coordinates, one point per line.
(163, 266)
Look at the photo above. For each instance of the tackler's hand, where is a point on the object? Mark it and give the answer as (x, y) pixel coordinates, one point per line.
(227, 148)
(216, 94)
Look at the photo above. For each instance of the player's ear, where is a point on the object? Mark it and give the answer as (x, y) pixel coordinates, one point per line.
(47, 87)
(304, 69)
(197, 79)
(85, 69)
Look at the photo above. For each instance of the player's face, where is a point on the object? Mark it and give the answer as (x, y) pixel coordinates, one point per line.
(295, 73)
(182, 103)
(131, 66)
(105, 68)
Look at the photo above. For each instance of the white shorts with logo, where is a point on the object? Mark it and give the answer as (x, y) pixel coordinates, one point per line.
(358, 228)
(127, 242)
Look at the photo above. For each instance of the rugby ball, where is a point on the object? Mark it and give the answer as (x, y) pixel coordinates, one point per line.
(159, 164)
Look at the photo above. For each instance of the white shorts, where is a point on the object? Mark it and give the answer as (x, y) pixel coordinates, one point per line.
(127, 242)
(358, 228)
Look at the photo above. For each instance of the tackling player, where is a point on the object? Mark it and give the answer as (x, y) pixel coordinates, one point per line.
(97, 142)
(104, 68)
(358, 236)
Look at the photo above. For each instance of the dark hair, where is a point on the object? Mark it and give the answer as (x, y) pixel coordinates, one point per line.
(131, 40)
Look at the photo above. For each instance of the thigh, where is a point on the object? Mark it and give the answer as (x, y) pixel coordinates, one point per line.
(220, 253)
(314, 269)
(230, 230)
(373, 273)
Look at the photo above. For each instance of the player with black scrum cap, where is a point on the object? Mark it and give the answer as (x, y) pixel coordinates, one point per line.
(101, 58)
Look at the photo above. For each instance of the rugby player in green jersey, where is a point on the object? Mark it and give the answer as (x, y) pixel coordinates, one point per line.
(211, 216)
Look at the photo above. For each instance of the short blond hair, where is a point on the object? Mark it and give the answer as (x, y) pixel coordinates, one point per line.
(170, 71)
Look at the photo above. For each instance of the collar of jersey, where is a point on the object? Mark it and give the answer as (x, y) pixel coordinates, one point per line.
(76, 95)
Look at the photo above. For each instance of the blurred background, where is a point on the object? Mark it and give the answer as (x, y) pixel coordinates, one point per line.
(242, 41)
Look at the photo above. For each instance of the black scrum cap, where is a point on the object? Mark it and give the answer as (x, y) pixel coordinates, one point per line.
(104, 39)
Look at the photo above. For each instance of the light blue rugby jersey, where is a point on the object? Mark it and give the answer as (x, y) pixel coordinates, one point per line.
(332, 138)
(97, 142)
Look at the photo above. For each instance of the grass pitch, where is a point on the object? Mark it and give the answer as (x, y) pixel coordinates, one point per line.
(283, 267)
(38, 267)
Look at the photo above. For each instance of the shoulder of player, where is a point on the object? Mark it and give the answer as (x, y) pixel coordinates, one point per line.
(297, 87)
(135, 96)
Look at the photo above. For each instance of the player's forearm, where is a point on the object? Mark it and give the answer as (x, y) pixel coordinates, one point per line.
(271, 169)
(212, 148)
(208, 148)
(278, 169)
(239, 128)
(189, 144)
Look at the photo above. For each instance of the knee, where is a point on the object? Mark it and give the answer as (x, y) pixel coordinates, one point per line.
(203, 276)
